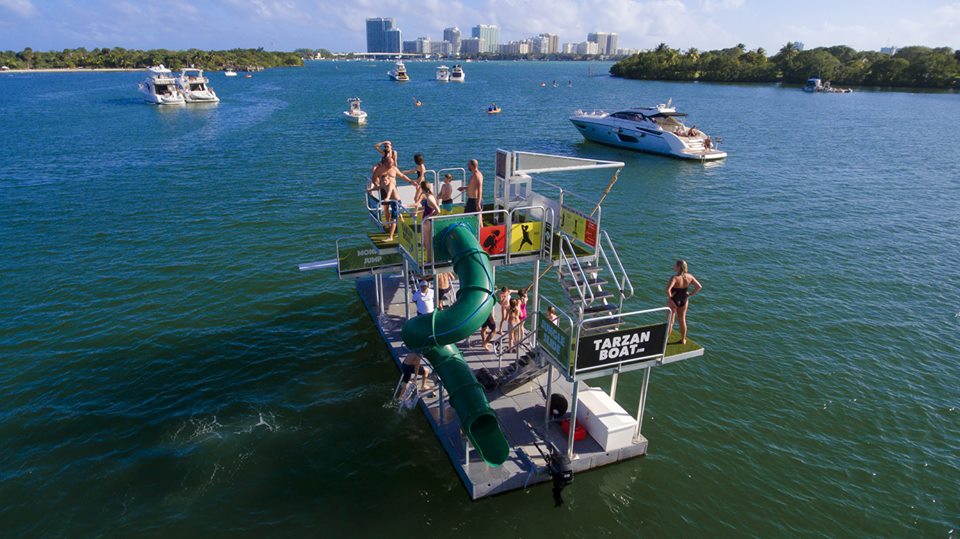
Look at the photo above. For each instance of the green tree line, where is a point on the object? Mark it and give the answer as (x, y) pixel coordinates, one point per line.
(918, 67)
(118, 57)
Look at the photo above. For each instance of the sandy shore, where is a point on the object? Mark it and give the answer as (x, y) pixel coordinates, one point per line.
(72, 70)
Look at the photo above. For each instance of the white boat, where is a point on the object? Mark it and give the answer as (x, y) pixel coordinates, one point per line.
(195, 87)
(815, 85)
(229, 72)
(399, 72)
(443, 74)
(160, 88)
(354, 114)
(656, 130)
(457, 74)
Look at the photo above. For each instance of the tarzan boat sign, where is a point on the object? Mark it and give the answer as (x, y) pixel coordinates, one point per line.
(620, 348)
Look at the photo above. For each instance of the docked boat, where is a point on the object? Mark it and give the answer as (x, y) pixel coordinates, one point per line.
(195, 87)
(160, 87)
(443, 74)
(399, 72)
(658, 130)
(354, 115)
(229, 72)
(815, 85)
(457, 74)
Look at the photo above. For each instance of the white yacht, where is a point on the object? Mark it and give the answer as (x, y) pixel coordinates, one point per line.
(457, 74)
(229, 72)
(648, 129)
(443, 74)
(354, 115)
(160, 88)
(195, 87)
(399, 72)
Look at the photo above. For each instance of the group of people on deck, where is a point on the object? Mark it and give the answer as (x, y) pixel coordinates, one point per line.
(383, 179)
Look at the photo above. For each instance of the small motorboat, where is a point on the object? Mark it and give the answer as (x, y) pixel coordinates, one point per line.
(195, 87)
(229, 72)
(443, 74)
(354, 115)
(399, 72)
(457, 74)
(160, 88)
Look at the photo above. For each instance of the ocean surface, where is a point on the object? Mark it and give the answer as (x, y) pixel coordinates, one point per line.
(166, 371)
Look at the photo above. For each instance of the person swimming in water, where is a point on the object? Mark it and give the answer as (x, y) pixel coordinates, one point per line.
(678, 292)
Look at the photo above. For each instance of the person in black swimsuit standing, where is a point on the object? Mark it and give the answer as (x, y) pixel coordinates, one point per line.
(678, 292)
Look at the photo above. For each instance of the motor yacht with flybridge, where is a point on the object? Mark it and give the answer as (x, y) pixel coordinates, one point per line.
(457, 74)
(443, 74)
(658, 130)
(195, 87)
(160, 88)
(399, 72)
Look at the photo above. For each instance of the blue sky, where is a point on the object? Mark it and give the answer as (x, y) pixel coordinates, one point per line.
(338, 25)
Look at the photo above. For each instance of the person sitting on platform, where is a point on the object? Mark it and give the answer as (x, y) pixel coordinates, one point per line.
(424, 299)
(552, 315)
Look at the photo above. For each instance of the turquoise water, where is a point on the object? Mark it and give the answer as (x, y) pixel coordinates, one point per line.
(167, 371)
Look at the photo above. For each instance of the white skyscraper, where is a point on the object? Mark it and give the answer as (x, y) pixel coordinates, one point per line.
(452, 35)
(490, 34)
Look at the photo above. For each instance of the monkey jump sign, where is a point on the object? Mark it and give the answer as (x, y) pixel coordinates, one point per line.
(620, 348)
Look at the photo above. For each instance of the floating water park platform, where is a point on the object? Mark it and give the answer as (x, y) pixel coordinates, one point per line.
(520, 413)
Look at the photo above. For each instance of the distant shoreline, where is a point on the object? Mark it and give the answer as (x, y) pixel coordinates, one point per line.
(70, 69)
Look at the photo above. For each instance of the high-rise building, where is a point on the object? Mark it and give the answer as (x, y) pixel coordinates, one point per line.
(569, 48)
(452, 35)
(490, 34)
(442, 48)
(588, 48)
(601, 39)
(393, 41)
(423, 45)
(612, 43)
(377, 33)
(546, 44)
(471, 45)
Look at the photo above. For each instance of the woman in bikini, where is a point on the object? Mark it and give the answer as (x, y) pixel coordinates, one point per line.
(522, 294)
(504, 299)
(430, 208)
(678, 292)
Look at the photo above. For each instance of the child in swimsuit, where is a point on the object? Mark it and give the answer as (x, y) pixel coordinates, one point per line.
(523, 312)
(513, 315)
(446, 194)
(504, 298)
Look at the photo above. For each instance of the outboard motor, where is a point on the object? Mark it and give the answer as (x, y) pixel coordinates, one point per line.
(561, 471)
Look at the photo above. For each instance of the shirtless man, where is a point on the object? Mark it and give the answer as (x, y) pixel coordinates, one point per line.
(474, 189)
(443, 288)
(387, 184)
(385, 148)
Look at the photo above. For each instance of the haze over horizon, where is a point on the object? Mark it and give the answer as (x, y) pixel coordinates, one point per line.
(292, 24)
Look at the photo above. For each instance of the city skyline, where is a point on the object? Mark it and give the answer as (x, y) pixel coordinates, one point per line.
(640, 24)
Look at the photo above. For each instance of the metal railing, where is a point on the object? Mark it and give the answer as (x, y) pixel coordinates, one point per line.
(622, 280)
(501, 351)
(584, 290)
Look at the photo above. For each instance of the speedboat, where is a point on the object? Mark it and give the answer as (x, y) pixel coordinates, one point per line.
(457, 74)
(443, 74)
(195, 87)
(399, 72)
(656, 130)
(160, 88)
(354, 114)
(229, 72)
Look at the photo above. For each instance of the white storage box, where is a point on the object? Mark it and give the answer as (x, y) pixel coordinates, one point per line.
(605, 420)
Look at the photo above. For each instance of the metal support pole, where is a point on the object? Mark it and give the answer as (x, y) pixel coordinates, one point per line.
(466, 453)
(546, 406)
(613, 384)
(443, 417)
(381, 294)
(573, 418)
(406, 289)
(536, 300)
(643, 401)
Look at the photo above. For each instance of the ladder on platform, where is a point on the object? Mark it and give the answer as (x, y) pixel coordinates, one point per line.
(595, 285)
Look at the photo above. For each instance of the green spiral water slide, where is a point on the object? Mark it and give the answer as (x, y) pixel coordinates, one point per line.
(433, 336)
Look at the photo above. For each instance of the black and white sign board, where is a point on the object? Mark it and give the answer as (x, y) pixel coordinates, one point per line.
(620, 348)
